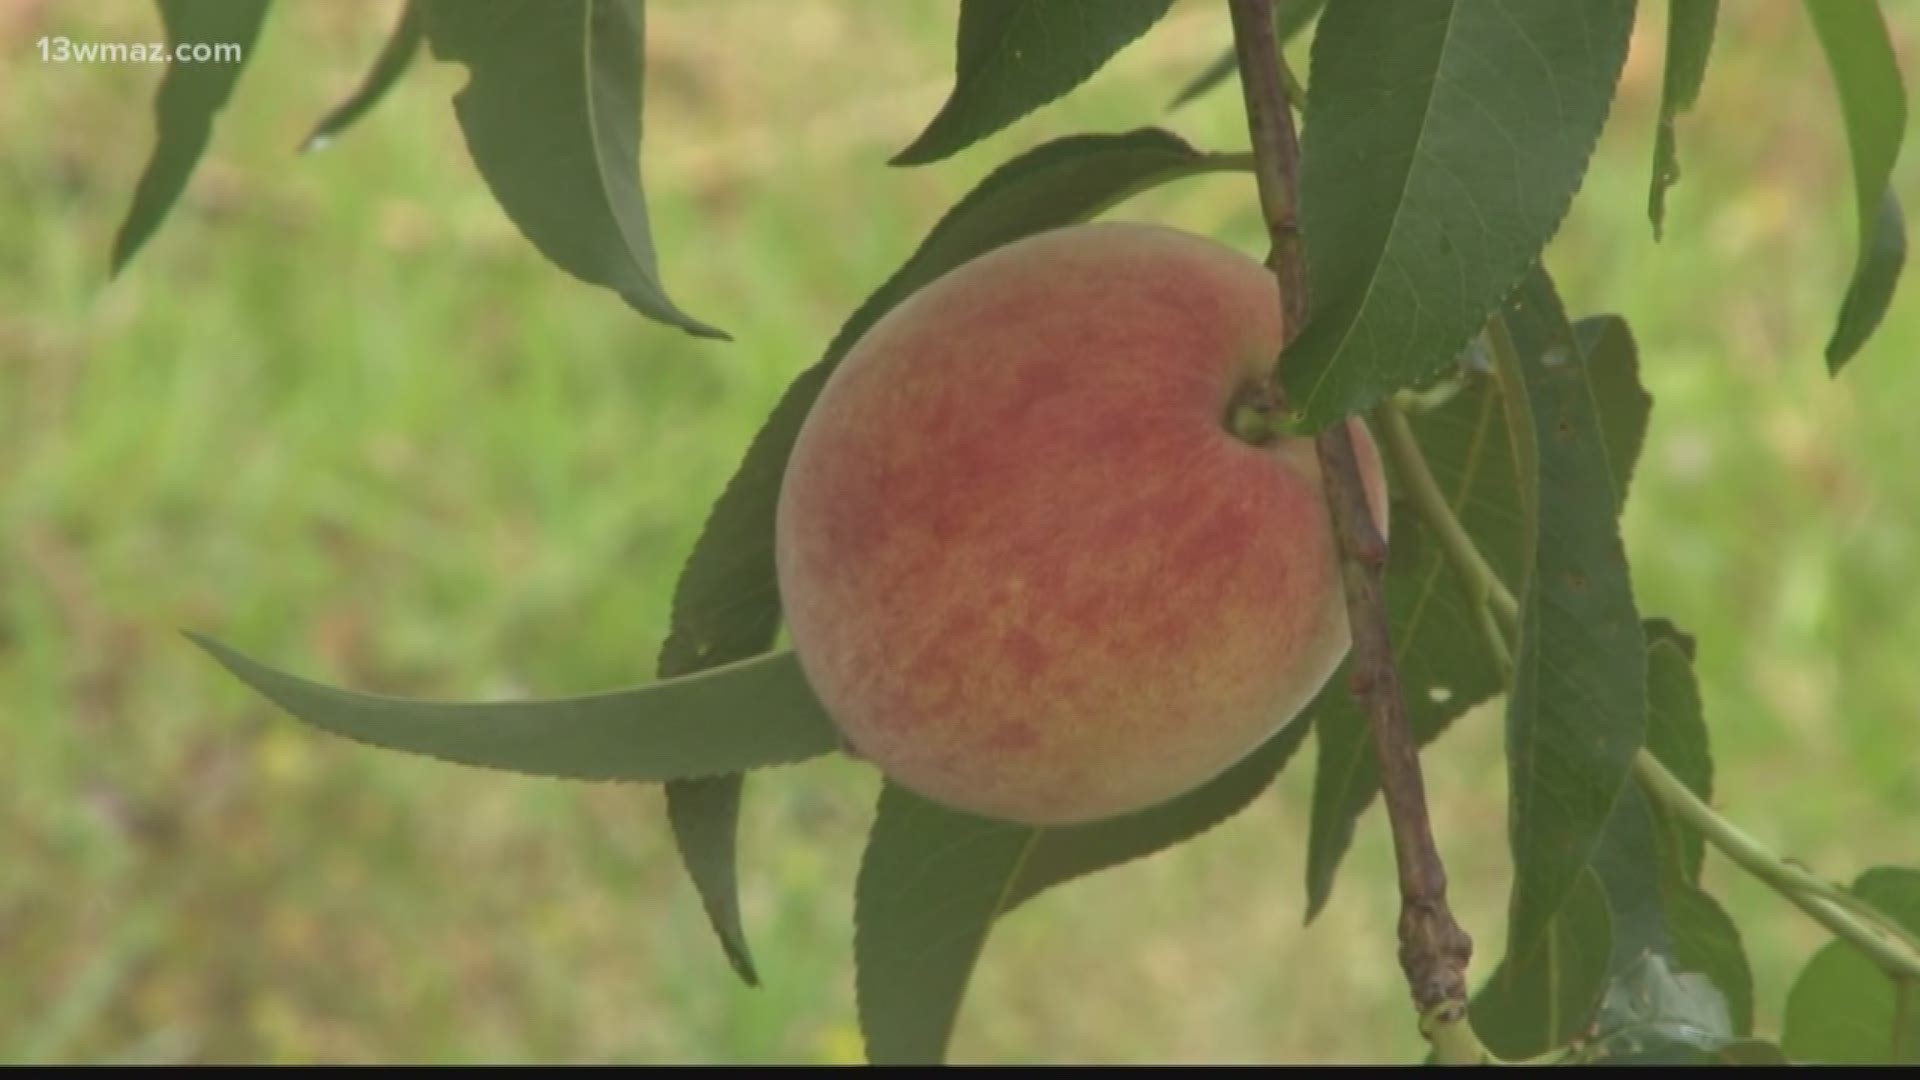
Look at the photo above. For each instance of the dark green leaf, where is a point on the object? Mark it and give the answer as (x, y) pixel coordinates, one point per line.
(394, 59)
(1873, 283)
(1064, 853)
(727, 604)
(1705, 940)
(1653, 1014)
(551, 113)
(1861, 57)
(705, 815)
(1577, 711)
(1443, 143)
(1843, 1008)
(934, 881)
(1014, 56)
(745, 715)
(190, 95)
(1677, 737)
(1689, 40)
(1444, 661)
(1542, 1002)
(1289, 18)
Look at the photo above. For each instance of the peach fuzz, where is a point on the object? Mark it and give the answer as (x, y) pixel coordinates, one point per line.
(1025, 565)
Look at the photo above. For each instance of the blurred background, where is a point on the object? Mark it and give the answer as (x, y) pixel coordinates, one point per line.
(340, 414)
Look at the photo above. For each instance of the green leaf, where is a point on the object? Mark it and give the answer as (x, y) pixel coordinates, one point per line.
(1705, 940)
(1289, 18)
(1874, 106)
(1843, 1008)
(934, 881)
(1873, 283)
(1689, 40)
(1577, 711)
(742, 716)
(551, 114)
(705, 815)
(726, 606)
(1653, 1014)
(190, 95)
(1444, 662)
(1014, 56)
(1677, 737)
(930, 885)
(1443, 143)
(394, 59)
(1542, 1001)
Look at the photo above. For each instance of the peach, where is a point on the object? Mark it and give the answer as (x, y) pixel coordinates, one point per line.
(1026, 566)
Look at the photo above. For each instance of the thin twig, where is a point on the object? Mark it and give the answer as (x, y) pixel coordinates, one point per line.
(1434, 950)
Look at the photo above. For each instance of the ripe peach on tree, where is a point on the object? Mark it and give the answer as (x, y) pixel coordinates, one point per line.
(1072, 523)
(1026, 563)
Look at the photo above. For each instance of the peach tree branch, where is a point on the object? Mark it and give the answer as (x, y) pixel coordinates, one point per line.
(1434, 950)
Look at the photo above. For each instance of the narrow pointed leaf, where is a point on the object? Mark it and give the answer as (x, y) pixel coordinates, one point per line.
(727, 604)
(190, 95)
(1445, 665)
(394, 59)
(1289, 18)
(1443, 143)
(1014, 56)
(1842, 1008)
(1689, 40)
(1874, 107)
(1577, 711)
(705, 815)
(742, 716)
(551, 115)
(934, 881)
(1873, 283)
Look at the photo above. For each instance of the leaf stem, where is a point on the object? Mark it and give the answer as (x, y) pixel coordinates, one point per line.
(1822, 900)
(1891, 947)
(1417, 483)
(1434, 950)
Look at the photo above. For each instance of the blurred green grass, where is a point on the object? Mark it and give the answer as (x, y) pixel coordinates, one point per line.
(340, 413)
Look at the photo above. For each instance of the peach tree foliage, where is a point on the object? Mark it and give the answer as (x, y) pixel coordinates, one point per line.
(1443, 143)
